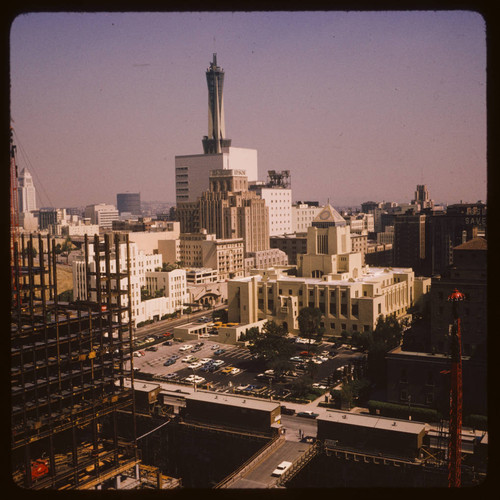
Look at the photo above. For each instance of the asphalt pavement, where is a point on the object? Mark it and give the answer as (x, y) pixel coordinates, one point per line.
(237, 357)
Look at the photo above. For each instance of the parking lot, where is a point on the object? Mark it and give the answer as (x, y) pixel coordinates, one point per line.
(237, 369)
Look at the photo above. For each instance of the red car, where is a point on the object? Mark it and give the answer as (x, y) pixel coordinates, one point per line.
(305, 353)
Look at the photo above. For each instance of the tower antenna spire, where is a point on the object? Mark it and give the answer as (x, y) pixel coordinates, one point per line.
(216, 138)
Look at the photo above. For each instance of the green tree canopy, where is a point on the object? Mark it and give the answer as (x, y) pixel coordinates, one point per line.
(273, 346)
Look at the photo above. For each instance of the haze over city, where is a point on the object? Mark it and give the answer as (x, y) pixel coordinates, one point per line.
(357, 105)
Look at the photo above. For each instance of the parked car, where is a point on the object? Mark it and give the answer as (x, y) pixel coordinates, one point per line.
(169, 376)
(194, 379)
(215, 347)
(195, 365)
(175, 356)
(220, 351)
(142, 353)
(307, 414)
(152, 348)
(227, 369)
(282, 467)
(184, 347)
(306, 353)
(167, 342)
(196, 349)
(169, 362)
(200, 344)
(187, 359)
(234, 371)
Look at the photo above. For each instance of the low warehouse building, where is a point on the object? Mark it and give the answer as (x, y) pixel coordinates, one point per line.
(233, 412)
(372, 434)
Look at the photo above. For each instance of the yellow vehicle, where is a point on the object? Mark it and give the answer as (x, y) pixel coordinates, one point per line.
(227, 369)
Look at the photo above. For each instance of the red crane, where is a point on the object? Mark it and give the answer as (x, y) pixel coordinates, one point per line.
(455, 427)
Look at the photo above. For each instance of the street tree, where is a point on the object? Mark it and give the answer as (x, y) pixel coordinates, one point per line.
(273, 347)
(309, 319)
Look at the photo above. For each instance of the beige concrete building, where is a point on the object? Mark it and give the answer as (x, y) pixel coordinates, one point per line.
(229, 211)
(204, 250)
(171, 284)
(332, 278)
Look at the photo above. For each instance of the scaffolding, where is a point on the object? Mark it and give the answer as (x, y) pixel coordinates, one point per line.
(68, 369)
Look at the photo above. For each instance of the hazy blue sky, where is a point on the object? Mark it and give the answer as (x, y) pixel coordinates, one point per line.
(357, 105)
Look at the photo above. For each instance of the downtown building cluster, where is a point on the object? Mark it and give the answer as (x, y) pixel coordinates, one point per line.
(233, 240)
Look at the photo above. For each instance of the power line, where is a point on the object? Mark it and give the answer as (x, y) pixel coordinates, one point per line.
(26, 159)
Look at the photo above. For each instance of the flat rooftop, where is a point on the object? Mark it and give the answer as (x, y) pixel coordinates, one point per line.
(239, 401)
(373, 422)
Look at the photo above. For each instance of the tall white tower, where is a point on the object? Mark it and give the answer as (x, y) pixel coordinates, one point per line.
(27, 193)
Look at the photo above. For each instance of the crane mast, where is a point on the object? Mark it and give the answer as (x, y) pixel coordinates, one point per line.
(455, 427)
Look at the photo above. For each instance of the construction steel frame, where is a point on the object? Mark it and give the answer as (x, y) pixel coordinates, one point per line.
(68, 369)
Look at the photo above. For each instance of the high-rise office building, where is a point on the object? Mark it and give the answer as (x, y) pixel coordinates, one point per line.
(27, 192)
(278, 197)
(191, 171)
(101, 214)
(422, 197)
(129, 203)
(229, 210)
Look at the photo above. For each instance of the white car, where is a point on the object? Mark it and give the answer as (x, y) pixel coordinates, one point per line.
(195, 365)
(184, 347)
(188, 358)
(282, 467)
(234, 371)
(205, 360)
(215, 347)
(218, 362)
(194, 379)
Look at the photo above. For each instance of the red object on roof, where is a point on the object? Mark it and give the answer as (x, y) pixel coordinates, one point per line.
(456, 295)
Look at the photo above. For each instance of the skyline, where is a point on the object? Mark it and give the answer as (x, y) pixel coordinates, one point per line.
(101, 103)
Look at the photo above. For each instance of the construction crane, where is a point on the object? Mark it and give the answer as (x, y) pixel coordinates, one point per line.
(455, 426)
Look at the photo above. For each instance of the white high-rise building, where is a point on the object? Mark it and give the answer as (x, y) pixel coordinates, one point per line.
(278, 197)
(101, 214)
(303, 215)
(26, 191)
(192, 171)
